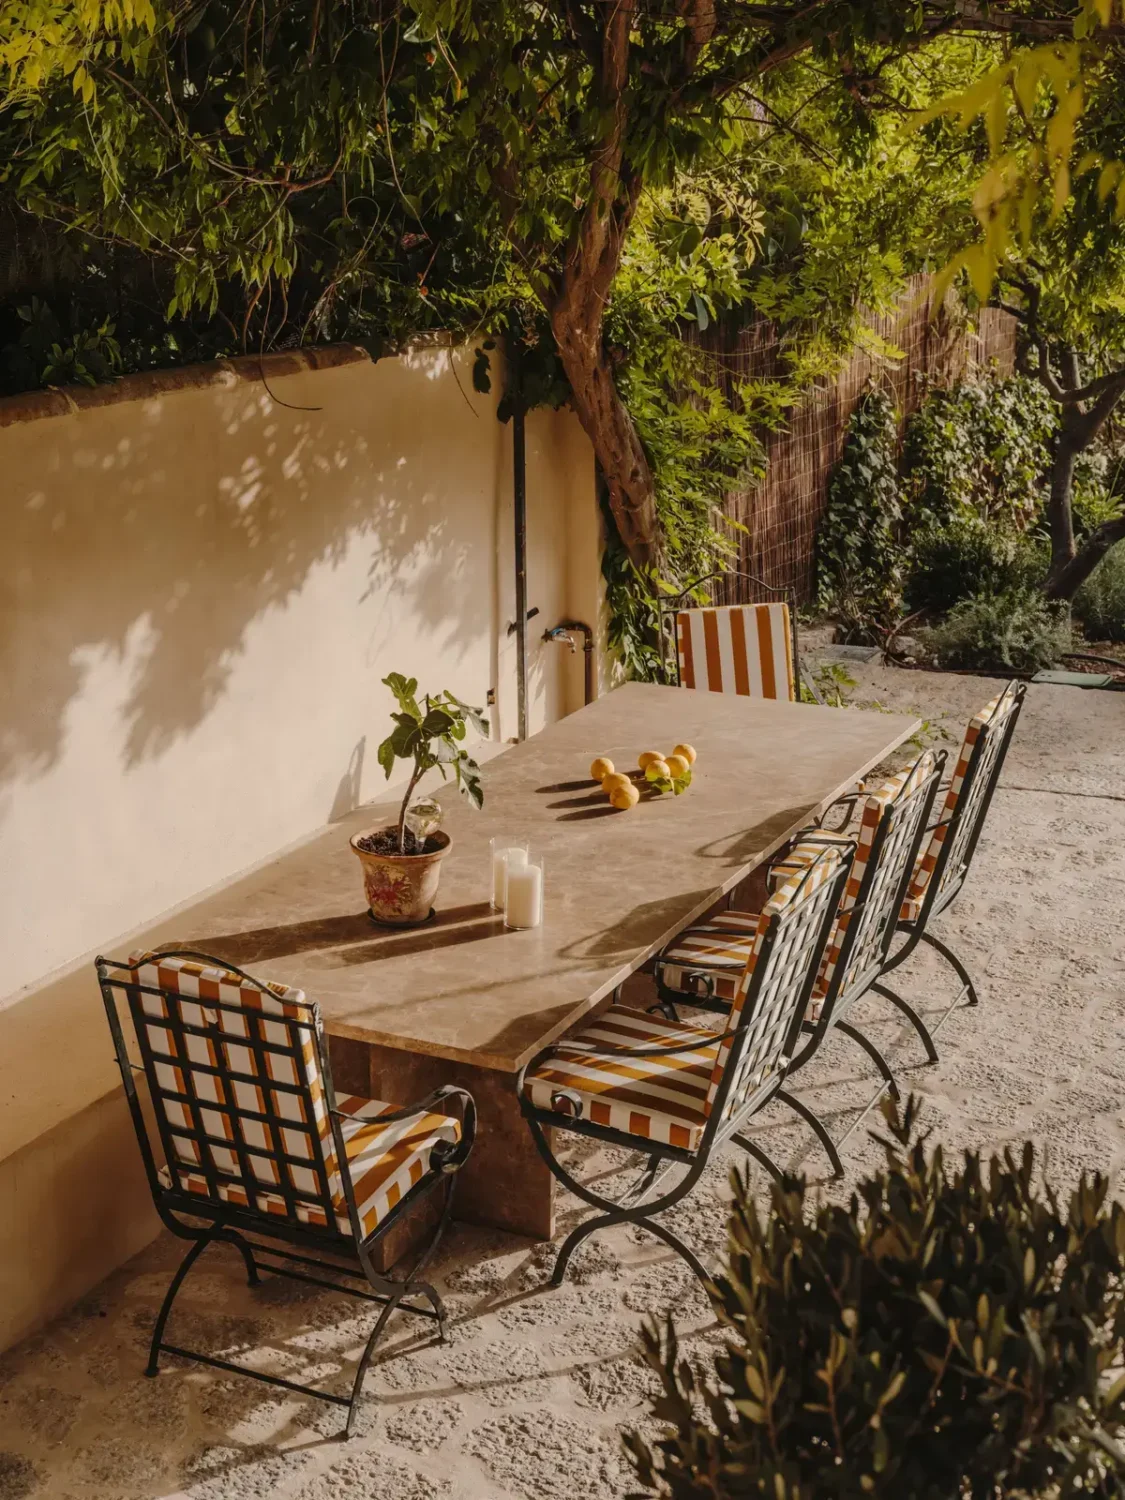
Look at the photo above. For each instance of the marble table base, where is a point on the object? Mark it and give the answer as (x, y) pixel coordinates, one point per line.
(505, 1183)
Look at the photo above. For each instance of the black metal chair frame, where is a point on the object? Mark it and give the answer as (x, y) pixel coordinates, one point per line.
(671, 605)
(870, 930)
(230, 1224)
(965, 825)
(644, 1198)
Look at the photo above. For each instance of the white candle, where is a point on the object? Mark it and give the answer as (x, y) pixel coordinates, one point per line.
(502, 857)
(524, 906)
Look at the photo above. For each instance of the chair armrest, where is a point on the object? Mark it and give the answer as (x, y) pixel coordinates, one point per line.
(450, 1155)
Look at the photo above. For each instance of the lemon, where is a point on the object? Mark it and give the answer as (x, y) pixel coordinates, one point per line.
(624, 797)
(646, 757)
(614, 780)
(686, 752)
(678, 765)
(601, 768)
(657, 770)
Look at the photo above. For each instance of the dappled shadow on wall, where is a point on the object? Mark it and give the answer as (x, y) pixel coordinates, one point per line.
(159, 531)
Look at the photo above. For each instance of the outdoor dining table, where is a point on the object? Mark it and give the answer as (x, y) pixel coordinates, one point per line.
(464, 1000)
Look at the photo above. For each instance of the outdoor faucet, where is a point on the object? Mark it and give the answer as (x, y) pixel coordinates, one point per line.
(560, 633)
(565, 630)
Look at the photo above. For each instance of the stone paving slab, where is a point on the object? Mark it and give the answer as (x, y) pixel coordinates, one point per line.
(528, 1400)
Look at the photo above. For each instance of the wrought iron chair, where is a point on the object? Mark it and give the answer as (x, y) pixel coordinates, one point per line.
(676, 1092)
(748, 649)
(946, 852)
(697, 968)
(256, 1142)
(943, 865)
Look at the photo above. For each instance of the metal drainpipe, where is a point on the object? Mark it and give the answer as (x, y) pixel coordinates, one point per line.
(519, 508)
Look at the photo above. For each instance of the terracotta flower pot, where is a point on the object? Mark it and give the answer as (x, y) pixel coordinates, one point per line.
(401, 887)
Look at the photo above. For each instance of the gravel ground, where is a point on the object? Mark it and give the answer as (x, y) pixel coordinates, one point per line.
(528, 1399)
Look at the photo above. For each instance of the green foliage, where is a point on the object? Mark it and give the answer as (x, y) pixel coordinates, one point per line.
(1100, 602)
(859, 567)
(832, 681)
(46, 354)
(430, 736)
(984, 446)
(950, 1331)
(966, 556)
(1017, 630)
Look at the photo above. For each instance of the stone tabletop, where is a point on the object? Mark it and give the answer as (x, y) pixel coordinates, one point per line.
(618, 884)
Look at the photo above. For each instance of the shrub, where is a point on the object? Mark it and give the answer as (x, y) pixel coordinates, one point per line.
(953, 562)
(947, 1333)
(968, 556)
(1013, 631)
(1100, 602)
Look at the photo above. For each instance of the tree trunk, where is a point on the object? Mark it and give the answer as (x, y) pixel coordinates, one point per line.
(1066, 582)
(1060, 512)
(609, 427)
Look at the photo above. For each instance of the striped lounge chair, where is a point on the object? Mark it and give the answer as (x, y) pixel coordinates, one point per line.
(737, 648)
(674, 1091)
(248, 1136)
(698, 968)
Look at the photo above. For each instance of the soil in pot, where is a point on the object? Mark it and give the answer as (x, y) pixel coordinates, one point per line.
(385, 841)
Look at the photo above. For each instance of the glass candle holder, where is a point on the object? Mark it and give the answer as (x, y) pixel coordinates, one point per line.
(505, 850)
(523, 905)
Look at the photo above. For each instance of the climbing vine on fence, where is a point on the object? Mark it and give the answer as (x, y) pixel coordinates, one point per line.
(982, 445)
(859, 568)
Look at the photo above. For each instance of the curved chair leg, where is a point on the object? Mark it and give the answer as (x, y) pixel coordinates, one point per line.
(677, 1244)
(177, 1282)
(575, 1238)
(912, 1016)
(873, 1053)
(368, 1354)
(817, 1128)
(760, 1156)
(243, 1248)
(955, 963)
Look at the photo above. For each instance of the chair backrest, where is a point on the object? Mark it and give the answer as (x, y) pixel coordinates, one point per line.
(236, 1070)
(792, 929)
(946, 858)
(737, 648)
(891, 827)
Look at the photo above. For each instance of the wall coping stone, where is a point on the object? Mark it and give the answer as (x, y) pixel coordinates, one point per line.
(58, 401)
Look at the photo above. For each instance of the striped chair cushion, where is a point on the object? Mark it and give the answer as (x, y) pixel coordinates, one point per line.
(663, 1098)
(931, 849)
(719, 945)
(385, 1163)
(740, 648)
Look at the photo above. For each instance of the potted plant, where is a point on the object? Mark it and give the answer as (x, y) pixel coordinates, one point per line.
(402, 864)
(949, 1332)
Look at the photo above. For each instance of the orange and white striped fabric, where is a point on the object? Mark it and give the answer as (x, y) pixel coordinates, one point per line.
(739, 648)
(667, 1096)
(250, 1093)
(719, 947)
(716, 946)
(661, 1098)
(928, 858)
